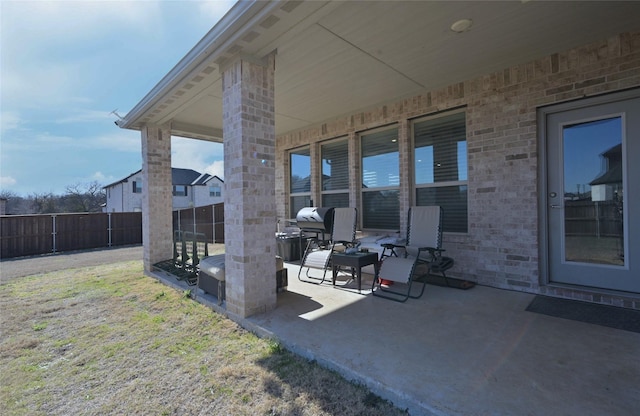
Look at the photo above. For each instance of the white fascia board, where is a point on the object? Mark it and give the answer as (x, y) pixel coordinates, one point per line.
(238, 21)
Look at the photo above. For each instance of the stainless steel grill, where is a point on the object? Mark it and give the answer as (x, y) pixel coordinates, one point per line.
(317, 220)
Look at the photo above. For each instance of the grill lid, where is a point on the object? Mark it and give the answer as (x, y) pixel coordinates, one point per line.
(315, 219)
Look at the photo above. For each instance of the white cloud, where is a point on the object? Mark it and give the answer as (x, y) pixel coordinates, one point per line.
(215, 10)
(44, 139)
(9, 120)
(64, 62)
(216, 169)
(7, 181)
(195, 154)
(98, 176)
(119, 140)
(102, 179)
(39, 85)
(86, 116)
(60, 22)
(50, 48)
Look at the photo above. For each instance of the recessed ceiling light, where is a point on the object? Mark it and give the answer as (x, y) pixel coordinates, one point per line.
(462, 25)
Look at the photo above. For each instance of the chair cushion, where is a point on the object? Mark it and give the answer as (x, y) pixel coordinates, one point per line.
(396, 269)
(317, 259)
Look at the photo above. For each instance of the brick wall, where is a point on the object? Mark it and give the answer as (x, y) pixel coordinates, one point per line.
(501, 247)
(249, 146)
(157, 227)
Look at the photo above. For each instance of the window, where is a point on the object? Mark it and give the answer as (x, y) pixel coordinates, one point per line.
(179, 190)
(299, 180)
(335, 173)
(215, 190)
(380, 180)
(137, 187)
(440, 167)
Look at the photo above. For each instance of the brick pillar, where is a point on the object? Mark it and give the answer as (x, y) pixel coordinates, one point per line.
(249, 175)
(406, 173)
(316, 172)
(157, 228)
(354, 174)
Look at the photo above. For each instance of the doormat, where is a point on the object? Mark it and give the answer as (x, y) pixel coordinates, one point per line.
(611, 316)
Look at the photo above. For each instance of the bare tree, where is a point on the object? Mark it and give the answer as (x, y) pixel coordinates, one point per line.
(87, 197)
(15, 203)
(44, 203)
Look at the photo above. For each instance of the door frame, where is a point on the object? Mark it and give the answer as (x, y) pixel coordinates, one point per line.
(542, 114)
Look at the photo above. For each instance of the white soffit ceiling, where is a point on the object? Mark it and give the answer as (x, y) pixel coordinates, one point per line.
(335, 58)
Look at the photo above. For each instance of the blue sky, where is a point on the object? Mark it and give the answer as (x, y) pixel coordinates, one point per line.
(65, 65)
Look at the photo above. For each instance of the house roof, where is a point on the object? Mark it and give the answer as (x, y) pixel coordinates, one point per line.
(209, 179)
(613, 174)
(179, 176)
(125, 179)
(337, 57)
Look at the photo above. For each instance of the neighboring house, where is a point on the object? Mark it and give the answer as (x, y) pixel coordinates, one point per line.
(207, 190)
(189, 189)
(473, 106)
(608, 185)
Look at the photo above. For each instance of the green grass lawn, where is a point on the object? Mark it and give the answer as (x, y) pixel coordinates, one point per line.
(109, 340)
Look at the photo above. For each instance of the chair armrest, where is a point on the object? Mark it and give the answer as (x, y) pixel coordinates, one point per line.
(433, 251)
(392, 245)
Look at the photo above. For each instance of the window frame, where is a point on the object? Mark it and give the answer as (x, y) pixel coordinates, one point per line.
(217, 193)
(444, 184)
(341, 191)
(175, 191)
(303, 194)
(362, 190)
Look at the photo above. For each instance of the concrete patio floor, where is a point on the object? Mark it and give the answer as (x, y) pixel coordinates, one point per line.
(452, 352)
(457, 352)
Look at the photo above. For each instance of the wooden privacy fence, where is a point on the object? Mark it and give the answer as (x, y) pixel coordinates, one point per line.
(27, 235)
(208, 220)
(596, 219)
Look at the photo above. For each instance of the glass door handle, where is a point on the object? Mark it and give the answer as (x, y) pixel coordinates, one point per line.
(555, 206)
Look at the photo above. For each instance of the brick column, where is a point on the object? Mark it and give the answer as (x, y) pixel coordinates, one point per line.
(249, 175)
(157, 228)
(315, 173)
(355, 175)
(406, 172)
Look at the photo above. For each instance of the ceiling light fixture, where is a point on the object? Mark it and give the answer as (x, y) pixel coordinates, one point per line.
(462, 25)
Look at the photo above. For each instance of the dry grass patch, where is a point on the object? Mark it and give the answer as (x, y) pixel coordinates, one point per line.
(107, 340)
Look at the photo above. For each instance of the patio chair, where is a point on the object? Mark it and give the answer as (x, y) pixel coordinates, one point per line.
(318, 252)
(422, 255)
(188, 249)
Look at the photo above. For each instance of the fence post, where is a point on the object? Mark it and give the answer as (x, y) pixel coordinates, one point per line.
(53, 233)
(597, 219)
(109, 227)
(193, 212)
(213, 221)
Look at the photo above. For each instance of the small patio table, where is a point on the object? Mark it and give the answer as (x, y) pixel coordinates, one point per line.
(356, 261)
